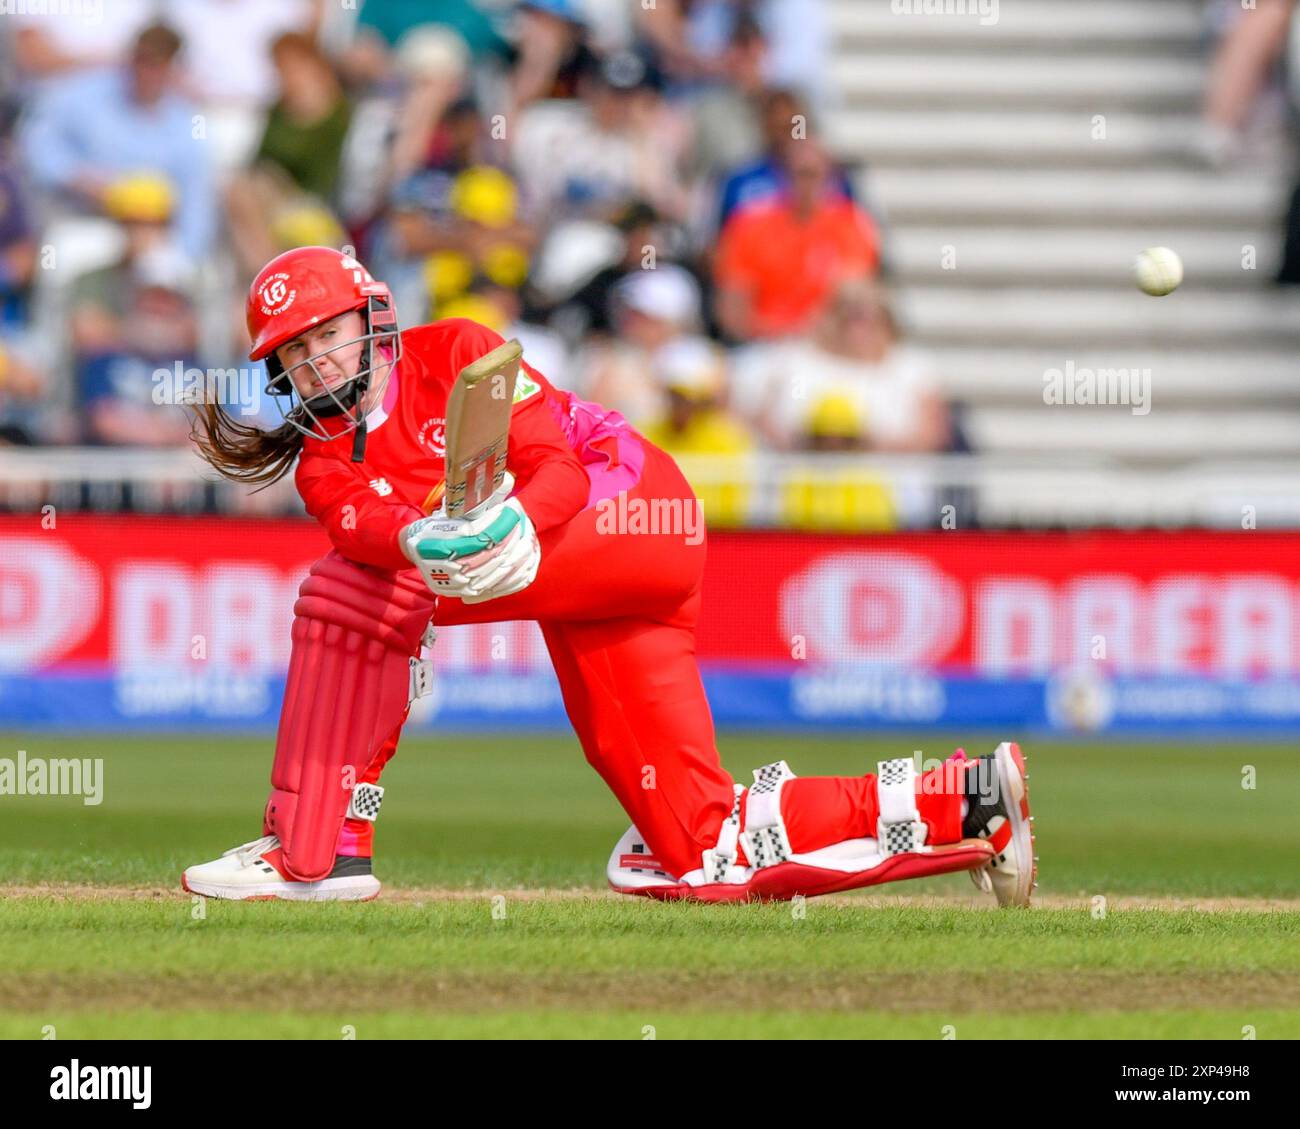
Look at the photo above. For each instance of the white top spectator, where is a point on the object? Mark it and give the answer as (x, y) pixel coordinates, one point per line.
(889, 396)
(64, 37)
(227, 55)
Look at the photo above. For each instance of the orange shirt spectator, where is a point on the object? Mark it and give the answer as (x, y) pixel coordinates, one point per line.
(779, 261)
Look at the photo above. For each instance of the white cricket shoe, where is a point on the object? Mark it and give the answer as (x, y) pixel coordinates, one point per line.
(255, 872)
(998, 796)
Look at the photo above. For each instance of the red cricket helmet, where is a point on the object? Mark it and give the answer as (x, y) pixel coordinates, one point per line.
(300, 289)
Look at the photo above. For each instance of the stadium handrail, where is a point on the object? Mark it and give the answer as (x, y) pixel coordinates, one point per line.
(764, 489)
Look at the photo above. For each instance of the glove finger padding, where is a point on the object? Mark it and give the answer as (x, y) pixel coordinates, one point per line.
(453, 539)
(510, 571)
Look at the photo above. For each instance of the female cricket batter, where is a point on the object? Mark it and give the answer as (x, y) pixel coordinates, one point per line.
(617, 609)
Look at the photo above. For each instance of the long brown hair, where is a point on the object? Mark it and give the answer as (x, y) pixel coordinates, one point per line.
(241, 451)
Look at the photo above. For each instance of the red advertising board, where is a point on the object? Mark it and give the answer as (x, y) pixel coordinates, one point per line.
(99, 591)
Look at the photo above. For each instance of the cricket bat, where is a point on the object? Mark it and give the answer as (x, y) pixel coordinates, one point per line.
(478, 427)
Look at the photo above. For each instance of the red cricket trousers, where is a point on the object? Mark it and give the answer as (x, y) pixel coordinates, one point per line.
(617, 604)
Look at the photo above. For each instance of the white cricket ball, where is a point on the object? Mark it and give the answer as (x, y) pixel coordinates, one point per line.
(1158, 271)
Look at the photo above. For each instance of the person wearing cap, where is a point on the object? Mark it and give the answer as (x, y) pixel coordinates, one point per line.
(844, 498)
(143, 204)
(694, 375)
(696, 428)
(118, 383)
(653, 308)
(590, 310)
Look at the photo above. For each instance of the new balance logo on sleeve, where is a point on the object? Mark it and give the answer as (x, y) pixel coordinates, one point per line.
(381, 487)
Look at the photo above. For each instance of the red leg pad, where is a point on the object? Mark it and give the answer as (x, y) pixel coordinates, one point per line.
(355, 630)
(788, 879)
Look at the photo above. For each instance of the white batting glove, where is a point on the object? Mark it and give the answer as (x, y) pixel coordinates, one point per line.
(491, 555)
(508, 567)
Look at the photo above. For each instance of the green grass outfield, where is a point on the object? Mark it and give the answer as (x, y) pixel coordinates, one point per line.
(495, 921)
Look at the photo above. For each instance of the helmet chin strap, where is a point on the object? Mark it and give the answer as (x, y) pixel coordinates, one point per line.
(363, 390)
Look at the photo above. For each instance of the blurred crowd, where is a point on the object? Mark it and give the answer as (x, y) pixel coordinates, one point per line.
(639, 192)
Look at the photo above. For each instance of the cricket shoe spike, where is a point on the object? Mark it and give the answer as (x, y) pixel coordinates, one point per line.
(997, 797)
(255, 872)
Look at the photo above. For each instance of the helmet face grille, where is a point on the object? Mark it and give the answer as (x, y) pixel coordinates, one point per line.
(346, 399)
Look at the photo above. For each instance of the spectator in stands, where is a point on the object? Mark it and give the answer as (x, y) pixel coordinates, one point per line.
(779, 260)
(456, 217)
(229, 46)
(381, 24)
(404, 127)
(784, 122)
(693, 38)
(620, 143)
(128, 394)
(295, 170)
(551, 36)
(726, 116)
(101, 299)
(435, 124)
(17, 235)
(850, 368)
(1245, 60)
(694, 425)
(90, 129)
(590, 309)
(653, 309)
(21, 390)
(693, 374)
(49, 43)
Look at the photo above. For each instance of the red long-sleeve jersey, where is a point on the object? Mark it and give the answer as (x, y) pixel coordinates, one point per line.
(364, 505)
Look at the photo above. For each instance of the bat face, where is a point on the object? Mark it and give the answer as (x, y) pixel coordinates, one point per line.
(478, 428)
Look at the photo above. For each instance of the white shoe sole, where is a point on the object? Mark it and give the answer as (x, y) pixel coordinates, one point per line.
(1016, 792)
(357, 888)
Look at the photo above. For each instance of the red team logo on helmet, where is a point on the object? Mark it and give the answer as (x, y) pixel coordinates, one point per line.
(275, 295)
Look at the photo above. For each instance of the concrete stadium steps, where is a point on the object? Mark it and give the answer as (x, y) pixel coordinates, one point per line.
(980, 136)
(1096, 321)
(1007, 138)
(1035, 492)
(1072, 198)
(1160, 436)
(860, 26)
(1223, 379)
(1094, 83)
(1015, 256)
